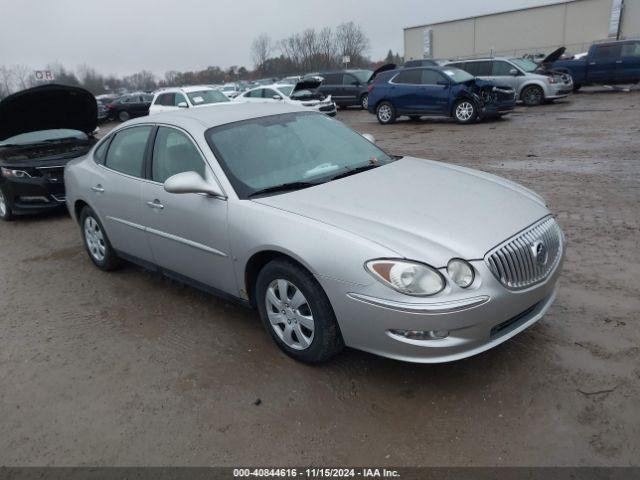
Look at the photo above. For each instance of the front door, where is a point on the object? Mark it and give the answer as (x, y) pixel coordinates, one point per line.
(604, 64)
(187, 232)
(116, 192)
(433, 94)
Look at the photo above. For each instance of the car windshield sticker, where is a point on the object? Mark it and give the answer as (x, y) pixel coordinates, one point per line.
(198, 99)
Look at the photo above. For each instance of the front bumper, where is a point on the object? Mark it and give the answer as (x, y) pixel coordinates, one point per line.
(35, 194)
(478, 319)
(559, 90)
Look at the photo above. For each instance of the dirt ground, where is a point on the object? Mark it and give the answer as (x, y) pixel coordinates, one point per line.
(127, 368)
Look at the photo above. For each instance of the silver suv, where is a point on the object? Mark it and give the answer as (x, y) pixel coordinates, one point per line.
(532, 83)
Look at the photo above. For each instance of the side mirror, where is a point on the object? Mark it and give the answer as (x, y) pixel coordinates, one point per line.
(190, 182)
(183, 105)
(513, 72)
(277, 97)
(369, 137)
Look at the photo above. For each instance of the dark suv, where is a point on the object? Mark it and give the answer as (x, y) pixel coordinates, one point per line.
(347, 87)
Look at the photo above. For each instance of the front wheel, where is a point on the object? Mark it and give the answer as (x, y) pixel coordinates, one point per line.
(297, 313)
(364, 101)
(6, 213)
(96, 241)
(532, 96)
(123, 116)
(386, 113)
(465, 111)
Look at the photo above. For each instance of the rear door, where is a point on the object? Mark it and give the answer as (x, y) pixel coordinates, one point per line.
(332, 85)
(164, 102)
(116, 191)
(405, 90)
(351, 88)
(187, 232)
(604, 64)
(630, 62)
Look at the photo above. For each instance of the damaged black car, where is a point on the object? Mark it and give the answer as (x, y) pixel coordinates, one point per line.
(41, 129)
(437, 91)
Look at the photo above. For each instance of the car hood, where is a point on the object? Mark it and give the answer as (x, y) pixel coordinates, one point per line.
(48, 107)
(553, 56)
(384, 68)
(420, 209)
(308, 84)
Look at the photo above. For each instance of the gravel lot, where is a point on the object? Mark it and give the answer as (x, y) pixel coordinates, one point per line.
(128, 368)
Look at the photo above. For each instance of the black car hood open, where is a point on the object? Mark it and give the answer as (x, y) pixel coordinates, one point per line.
(384, 68)
(553, 56)
(307, 84)
(48, 107)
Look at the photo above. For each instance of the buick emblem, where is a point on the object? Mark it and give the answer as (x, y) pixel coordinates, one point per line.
(540, 253)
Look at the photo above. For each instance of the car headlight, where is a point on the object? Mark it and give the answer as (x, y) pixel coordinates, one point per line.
(9, 173)
(405, 276)
(461, 272)
(552, 80)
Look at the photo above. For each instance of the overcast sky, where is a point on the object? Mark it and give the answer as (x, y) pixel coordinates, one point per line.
(125, 36)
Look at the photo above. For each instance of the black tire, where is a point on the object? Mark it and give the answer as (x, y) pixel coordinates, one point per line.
(6, 213)
(465, 111)
(364, 101)
(576, 87)
(123, 115)
(532, 96)
(326, 340)
(386, 113)
(109, 261)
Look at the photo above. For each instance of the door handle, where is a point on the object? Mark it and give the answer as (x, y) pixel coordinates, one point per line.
(155, 204)
(98, 189)
(619, 61)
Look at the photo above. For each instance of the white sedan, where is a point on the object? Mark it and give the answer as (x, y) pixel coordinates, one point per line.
(303, 93)
(170, 99)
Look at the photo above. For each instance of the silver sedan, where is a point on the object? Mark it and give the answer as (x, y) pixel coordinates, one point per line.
(334, 241)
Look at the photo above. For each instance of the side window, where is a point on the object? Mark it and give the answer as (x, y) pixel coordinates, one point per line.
(607, 52)
(126, 153)
(101, 151)
(469, 67)
(333, 79)
(431, 77)
(501, 69)
(348, 79)
(483, 69)
(173, 153)
(179, 99)
(631, 49)
(413, 77)
(268, 93)
(255, 93)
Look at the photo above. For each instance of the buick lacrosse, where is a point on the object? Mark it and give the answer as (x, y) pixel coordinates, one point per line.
(334, 241)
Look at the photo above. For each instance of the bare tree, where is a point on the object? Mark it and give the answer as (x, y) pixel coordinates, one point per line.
(6, 81)
(351, 41)
(261, 49)
(23, 77)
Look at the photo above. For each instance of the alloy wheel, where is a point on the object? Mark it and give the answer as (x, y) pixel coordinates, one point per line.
(464, 111)
(385, 114)
(3, 205)
(533, 96)
(94, 239)
(365, 101)
(290, 314)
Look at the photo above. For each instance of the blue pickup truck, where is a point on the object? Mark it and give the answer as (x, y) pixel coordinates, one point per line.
(609, 63)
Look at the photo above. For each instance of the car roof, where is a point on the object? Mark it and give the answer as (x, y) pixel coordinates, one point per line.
(217, 114)
(189, 89)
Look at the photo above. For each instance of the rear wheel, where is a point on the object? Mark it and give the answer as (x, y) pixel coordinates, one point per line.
(465, 111)
(386, 113)
(123, 116)
(364, 101)
(532, 96)
(297, 313)
(96, 241)
(5, 210)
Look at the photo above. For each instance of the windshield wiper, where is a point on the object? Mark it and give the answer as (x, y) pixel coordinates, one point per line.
(354, 171)
(283, 188)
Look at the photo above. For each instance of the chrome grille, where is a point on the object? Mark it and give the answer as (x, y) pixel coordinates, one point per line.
(516, 264)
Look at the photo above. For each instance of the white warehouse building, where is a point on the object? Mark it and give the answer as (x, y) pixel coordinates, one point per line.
(574, 24)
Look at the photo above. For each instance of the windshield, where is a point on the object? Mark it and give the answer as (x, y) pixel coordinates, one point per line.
(205, 97)
(524, 64)
(44, 136)
(457, 75)
(363, 75)
(286, 90)
(294, 147)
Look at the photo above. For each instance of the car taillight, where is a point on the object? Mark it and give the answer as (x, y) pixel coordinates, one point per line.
(109, 106)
